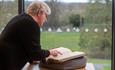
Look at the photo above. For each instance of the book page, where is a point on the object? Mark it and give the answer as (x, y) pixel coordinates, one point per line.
(67, 54)
(63, 50)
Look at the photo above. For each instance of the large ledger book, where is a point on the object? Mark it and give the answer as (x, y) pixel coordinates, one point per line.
(67, 61)
(67, 54)
(72, 64)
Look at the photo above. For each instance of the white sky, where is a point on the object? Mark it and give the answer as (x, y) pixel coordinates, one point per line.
(68, 0)
(7, 0)
(59, 0)
(74, 0)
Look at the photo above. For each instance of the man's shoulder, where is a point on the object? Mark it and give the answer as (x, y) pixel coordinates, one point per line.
(22, 19)
(23, 16)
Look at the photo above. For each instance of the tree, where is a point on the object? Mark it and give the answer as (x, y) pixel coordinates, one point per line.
(7, 10)
(98, 15)
(75, 20)
(101, 10)
(53, 20)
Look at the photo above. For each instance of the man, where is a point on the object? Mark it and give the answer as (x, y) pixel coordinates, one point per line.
(20, 39)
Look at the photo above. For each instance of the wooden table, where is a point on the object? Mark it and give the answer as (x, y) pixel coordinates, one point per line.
(50, 69)
(36, 67)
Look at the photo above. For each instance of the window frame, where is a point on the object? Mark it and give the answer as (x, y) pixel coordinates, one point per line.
(21, 9)
(20, 6)
(113, 33)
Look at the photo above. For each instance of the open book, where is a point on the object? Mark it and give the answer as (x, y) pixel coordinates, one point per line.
(67, 54)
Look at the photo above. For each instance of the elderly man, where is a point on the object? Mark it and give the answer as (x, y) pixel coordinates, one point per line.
(20, 39)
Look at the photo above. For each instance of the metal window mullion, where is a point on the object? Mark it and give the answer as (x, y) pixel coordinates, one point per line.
(20, 6)
(113, 34)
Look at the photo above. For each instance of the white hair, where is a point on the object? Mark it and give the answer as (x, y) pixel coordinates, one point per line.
(37, 6)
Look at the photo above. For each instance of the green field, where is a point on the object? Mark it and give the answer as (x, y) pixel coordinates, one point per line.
(99, 61)
(106, 63)
(64, 39)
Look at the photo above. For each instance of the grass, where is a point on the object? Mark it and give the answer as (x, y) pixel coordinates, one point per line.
(107, 67)
(99, 61)
(53, 39)
(106, 63)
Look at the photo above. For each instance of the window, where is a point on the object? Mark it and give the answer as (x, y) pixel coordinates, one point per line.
(82, 26)
(8, 9)
(85, 25)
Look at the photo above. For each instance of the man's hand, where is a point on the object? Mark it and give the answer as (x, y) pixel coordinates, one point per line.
(54, 52)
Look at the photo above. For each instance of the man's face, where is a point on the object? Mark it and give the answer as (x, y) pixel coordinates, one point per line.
(42, 18)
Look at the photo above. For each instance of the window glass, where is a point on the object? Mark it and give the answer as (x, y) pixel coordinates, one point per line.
(8, 9)
(80, 25)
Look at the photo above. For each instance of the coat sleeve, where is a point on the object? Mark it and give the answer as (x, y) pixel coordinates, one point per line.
(30, 38)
